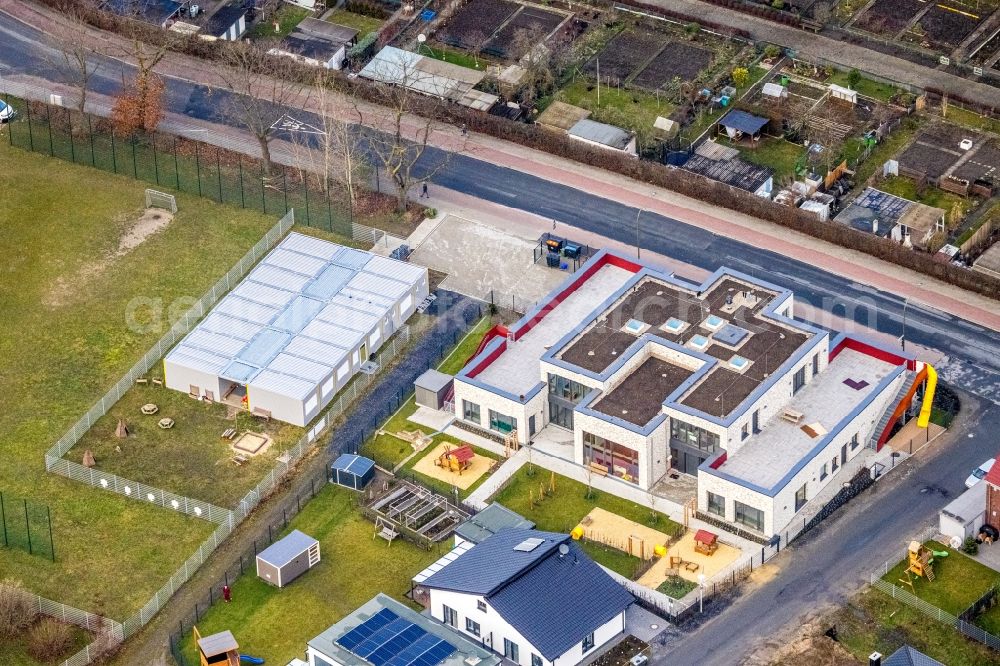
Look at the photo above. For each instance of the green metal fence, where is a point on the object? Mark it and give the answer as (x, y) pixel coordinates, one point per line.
(177, 163)
(26, 525)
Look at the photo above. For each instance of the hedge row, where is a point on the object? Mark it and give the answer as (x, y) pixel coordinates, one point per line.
(533, 136)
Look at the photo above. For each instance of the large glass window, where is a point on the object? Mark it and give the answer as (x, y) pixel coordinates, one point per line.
(561, 414)
(536, 660)
(699, 438)
(566, 389)
(717, 504)
(800, 497)
(470, 412)
(798, 380)
(854, 441)
(749, 516)
(510, 650)
(619, 460)
(502, 422)
(449, 616)
(588, 642)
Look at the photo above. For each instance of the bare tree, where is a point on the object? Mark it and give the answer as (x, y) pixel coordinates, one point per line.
(399, 141)
(332, 150)
(77, 59)
(537, 62)
(260, 90)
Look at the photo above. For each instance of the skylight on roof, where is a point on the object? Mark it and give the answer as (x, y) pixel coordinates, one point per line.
(529, 545)
(713, 322)
(699, 342)
(674, 325)
(635, 327)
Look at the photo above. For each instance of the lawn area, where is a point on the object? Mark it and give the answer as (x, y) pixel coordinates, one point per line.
(932, 196)
(67, 300)
(874, 621)
(287, 16)
(958, 580)
(466, 347)
(631, 109)
(780, 155)
(190, 459)
(890, 147)
(363, 24)
(563, 510)
(676, 587)
(880, 91)
(15, 650)
(460, 58)
(275, 624)
(973, 120)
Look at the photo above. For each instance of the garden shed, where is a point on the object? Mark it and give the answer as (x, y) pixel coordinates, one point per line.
(288, 558)
(432, 388)
(353, 471)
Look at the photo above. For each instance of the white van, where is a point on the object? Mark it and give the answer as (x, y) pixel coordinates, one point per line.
(7, 112)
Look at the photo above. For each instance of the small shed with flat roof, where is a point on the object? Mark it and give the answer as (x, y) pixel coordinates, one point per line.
(432, 388)
(288, 558)
(353, 471)
(738, 124)
(603, 136)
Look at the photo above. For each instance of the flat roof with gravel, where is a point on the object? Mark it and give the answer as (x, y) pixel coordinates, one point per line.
(640, 396)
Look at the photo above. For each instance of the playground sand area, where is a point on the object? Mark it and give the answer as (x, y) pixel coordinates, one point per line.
(478, 466)
(602, 526)
(709, 565)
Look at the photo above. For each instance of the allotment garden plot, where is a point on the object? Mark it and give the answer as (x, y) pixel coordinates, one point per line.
(677, 60)
(941, 25)
(496, 27)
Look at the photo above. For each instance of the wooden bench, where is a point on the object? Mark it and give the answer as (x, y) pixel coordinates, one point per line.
(261, 413)
(239, 459)
(142, 380)
(597, 468)
(229, 433)
(157, 382)
(792, 416)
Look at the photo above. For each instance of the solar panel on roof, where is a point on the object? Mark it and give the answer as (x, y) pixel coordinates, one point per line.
(385, 639)
(529, 545)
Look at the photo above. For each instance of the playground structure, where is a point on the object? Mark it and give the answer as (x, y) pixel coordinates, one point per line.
(417, 439)
(925, 409)
(456, 459)
(220, 648)
(418, 510)
(921, 563)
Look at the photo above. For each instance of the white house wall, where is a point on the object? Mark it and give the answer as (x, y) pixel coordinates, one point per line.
(494, 629)
(282, 408)
(181, 378)
(653, 451)
(779, 510)
(488, 400)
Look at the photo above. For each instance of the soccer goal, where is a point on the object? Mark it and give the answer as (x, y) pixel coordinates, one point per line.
(156, 199)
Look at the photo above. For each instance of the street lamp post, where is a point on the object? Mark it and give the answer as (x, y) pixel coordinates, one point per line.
(701, 593)
(902, 338)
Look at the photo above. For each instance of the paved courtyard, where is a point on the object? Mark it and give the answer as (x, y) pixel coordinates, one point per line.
(479, 258)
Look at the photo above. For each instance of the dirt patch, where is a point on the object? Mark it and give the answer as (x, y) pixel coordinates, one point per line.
(137, 228)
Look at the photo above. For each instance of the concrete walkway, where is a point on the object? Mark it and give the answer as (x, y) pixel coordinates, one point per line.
(806, 45)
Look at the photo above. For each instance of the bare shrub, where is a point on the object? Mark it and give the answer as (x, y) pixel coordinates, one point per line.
(49, 639)
(17, 608)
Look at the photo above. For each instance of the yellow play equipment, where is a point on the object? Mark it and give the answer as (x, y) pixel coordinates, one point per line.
(577, 533)
(457, 460)
(925, 409)
(921, 563)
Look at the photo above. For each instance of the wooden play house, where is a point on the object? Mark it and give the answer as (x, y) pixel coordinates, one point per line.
(921, 561)
(218, 648)
(457, 460)
(706, 542)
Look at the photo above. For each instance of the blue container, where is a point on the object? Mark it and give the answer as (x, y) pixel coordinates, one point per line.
(428, 15)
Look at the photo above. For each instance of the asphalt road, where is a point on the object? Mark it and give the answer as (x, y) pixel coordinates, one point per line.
(831, 562)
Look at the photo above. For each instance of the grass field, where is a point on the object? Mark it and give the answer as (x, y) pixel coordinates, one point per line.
(562, 511)
(287, 17)
(780, 155)
(190, 459)
(460, 58)
(65, 340)
(873, 621)
(275, 624)
(466, 347)
(880, 91)
(363, 24)
(931, 196)
(972, 120)
(15, 650)
(959, 580)
(631, 109)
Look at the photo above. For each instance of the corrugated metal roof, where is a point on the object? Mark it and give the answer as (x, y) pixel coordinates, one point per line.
(286, 549)
(241, 308)
(296, 262)
(286, 385)
(297, 315)
(602, 133)
(489, 521)
(299, 312)
(299, 367)
(744, 122)
(264, 347)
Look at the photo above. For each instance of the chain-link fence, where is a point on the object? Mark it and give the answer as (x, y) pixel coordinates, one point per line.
(107, 633)
(26, 525)
(178, 163)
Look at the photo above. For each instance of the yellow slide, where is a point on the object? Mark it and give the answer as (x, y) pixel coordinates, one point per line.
(925, 409)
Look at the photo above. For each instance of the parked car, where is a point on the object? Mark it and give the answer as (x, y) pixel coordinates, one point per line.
(7, 112)
(978, 473)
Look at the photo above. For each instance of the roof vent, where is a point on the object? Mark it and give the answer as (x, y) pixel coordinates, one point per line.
(529, 545)
(473, 660)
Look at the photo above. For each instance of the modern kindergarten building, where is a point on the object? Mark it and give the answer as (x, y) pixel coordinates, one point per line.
(296, 329)
(655, 374)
